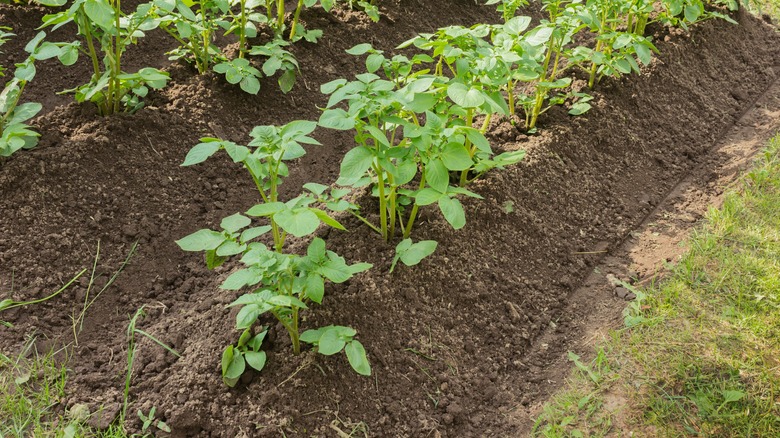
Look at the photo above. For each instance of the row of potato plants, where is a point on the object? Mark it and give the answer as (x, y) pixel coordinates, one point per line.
(420, 127)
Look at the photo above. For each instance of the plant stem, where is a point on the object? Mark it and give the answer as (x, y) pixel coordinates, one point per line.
(469, 122)
(413, 215)
(295, 19)
(117, 57)
(382, 202)
(242, 31)
(279, 15)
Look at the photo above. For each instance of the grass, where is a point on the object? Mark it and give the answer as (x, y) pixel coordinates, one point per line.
(700, 355)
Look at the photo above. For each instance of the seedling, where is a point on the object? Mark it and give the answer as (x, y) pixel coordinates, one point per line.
(104, 23)
(281, 284)
(16, 134)
(412, 254)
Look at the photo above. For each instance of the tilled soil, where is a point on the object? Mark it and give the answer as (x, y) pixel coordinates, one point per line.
(446, 338)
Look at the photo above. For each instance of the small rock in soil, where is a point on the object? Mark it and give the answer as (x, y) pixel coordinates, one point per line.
(624, 294)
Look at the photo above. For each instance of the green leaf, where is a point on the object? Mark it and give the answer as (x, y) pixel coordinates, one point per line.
(337, 119)
(255, 359)
(323, 216)
(287, 81)
(374, 62)
(315, 287)
(437, 176)
(356, 355)
(100, 12)
(464, 96)
(418, 251)
(298, 222)
(311, 336)
(360, 49)
(229, 248)
(453, 212)
(427, 196)
(241, 278)
(330, 343)
(732, 396)
(250, 84)
(201, 240)
(232, 364)
(235, 222)
(456, 157)
(201, 152)
(355, 164)
(266, 209)
(252, 233)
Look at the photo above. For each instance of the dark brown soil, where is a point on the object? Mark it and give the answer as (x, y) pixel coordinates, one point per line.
(451, 341)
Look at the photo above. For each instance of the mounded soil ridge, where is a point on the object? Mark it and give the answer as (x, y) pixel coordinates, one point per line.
(448, 340)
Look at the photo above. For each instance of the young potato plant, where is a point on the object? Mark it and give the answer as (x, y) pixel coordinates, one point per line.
(296, 30)
(281, 284)
(616, 51)
(16, 134)
(412, 135)
(102, 23)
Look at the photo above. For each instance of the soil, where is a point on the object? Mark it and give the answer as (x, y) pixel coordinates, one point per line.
(457, 343)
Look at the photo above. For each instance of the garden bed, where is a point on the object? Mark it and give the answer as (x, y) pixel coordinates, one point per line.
(447, 339)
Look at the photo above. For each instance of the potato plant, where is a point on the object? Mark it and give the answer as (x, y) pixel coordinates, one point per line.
(280, 283)
(16, 134)
(108, 32)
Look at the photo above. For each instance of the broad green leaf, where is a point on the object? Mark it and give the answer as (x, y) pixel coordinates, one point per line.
(100, 12)
(235, 367)
(254, 232)
(374, 62)
(427, 196)
(201, 240)
(327, 220)
(255, 359)
(335, 270)
(201, 152)
(464, 96)
(315, 288)
(298, 222)
(436, 175)
(241, 278)
(732, 395)
(643, 53)
(453, 212)
(250, 84)
(266, 209)
(538, 36)
(337, 119)
(330, 343)
(235, 222)
(456, 157)
(418, 251)
(311, 336)
(360, 49)
(356, 355)
(355, 164)
(247, 316)
(229, 248)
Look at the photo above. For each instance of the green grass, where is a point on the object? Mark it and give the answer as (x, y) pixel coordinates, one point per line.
(32, 387)
(702, 354)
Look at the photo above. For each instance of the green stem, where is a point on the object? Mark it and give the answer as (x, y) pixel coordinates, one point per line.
(280, 15)
(382, 202)
(117, 97)
(510, 91)
(242, 31)
(295, 19)
(469, 122)
(413, 215)
(593, 67)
